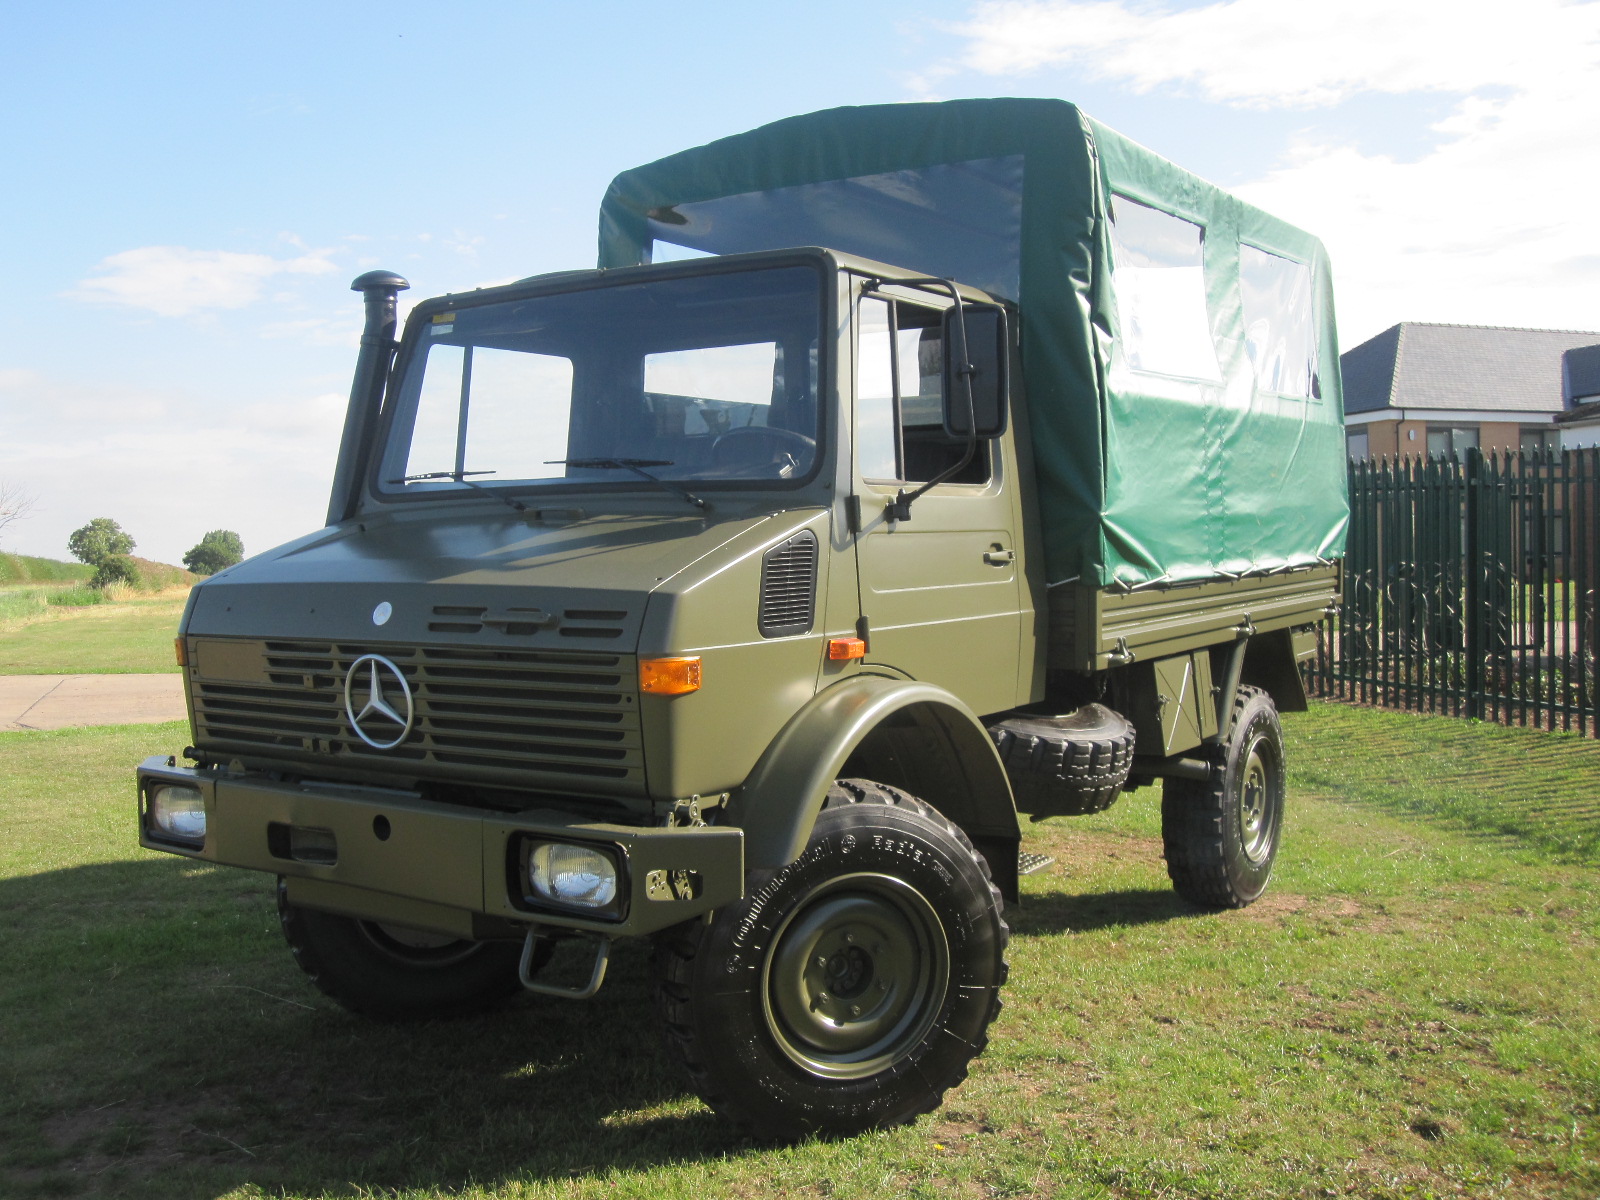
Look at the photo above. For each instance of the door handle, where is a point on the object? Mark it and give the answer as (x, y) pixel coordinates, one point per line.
(999, 558)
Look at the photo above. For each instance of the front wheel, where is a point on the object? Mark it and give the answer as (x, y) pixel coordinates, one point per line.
(393, 973)
(1221, 835)
(849, 989)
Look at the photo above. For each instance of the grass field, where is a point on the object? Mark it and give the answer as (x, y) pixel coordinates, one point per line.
(1411, 1011)
(108, 638)
(23, 568)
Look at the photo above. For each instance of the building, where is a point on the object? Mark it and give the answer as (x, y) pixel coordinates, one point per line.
(1419, 388)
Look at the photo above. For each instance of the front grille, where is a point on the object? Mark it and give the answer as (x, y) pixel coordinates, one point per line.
(531, 718)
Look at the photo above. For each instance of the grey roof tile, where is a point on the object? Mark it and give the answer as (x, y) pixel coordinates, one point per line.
(1416, 365)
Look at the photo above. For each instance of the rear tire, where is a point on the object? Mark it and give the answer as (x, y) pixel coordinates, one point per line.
(849, 989)
(1221, 835)
(391, 973)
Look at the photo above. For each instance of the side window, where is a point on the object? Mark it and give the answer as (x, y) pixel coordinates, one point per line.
(900, 433)
(1158, 274)
(494, 412)
(1279, 332)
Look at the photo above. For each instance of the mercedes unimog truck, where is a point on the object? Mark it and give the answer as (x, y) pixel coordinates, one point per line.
(899, 472)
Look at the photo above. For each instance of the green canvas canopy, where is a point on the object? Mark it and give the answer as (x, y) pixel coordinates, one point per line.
(1179, 359)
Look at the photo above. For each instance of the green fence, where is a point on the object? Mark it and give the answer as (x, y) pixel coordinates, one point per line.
(1470, 589)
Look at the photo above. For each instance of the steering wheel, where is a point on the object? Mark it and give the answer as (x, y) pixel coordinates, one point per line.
(759, 445)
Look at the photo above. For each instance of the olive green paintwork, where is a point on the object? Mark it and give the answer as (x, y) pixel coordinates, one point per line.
(780, 801)
(404, 859)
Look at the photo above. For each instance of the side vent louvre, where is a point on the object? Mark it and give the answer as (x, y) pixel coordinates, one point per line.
(789, 586)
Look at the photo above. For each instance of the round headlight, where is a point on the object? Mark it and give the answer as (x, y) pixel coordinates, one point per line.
(567, 874)
(178, 812)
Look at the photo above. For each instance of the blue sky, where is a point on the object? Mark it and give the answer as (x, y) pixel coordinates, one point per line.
(189, 188)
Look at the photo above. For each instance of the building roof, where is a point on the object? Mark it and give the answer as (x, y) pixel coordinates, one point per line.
(1416, 365)
(1581, 415)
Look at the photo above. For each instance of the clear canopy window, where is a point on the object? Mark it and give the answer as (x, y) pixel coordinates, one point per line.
(1158, 274)
(954, 220)
(1279, 331)
(711, 378)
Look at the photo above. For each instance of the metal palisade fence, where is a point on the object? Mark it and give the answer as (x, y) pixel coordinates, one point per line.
(1470, 589)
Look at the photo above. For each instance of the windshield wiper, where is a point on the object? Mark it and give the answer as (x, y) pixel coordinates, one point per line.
(461, 477)
(636, 465)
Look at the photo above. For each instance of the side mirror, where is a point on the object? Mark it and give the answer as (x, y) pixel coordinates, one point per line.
(988, 354)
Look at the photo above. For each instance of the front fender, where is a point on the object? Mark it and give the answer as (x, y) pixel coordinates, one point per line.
(778, 804)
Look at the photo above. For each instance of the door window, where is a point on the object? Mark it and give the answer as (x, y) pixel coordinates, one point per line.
(900, 433)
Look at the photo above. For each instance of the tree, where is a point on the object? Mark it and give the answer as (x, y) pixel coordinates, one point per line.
(15, 503)
(99, 540)
(218, 549)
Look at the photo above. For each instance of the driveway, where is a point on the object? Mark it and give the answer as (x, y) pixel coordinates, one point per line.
(57, 701)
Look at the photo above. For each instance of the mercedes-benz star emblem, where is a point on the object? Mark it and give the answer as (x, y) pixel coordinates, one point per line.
(381, 686)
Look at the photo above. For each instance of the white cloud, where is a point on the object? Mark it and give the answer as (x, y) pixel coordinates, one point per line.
(1265, 53)
(1490, 225)
(174, 281)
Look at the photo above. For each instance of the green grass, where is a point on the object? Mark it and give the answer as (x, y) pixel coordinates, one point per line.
(107, 638)
(1410, 1012)
(1541, 787)
(21, 568)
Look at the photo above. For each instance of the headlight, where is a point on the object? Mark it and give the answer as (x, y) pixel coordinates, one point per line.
(176, 812)
(572, 875)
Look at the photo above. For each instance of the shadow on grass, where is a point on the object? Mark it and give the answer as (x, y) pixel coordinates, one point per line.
(1060, 912)
(160, 1041)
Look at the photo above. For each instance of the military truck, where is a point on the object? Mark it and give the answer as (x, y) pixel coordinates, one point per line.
(899, 470)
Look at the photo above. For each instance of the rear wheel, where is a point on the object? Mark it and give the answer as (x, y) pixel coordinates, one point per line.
(394, 973)
(850, 989)
(1221, 835)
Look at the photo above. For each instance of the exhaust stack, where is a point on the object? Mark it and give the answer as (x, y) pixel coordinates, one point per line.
(379, 289)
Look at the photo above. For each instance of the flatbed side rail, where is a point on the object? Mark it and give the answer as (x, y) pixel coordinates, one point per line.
(1094, 629)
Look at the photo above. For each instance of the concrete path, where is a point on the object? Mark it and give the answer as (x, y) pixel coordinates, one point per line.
(57, 701)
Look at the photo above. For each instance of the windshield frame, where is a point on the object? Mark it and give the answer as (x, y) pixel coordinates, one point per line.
(379, 490)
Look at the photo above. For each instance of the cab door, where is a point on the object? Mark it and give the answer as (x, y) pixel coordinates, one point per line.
(940, 592)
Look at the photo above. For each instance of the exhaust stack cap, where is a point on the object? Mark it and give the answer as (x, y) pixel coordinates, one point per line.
(386, 280)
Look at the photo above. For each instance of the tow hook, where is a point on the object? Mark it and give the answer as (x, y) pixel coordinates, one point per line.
(597, 976)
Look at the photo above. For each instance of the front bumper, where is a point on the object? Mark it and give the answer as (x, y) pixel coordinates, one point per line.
(390, 856)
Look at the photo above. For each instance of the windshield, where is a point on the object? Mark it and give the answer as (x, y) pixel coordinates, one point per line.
(709, 378)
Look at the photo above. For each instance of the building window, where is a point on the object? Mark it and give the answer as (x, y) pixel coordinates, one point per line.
(1356, 444)
(1540, 441)
(1446, 440)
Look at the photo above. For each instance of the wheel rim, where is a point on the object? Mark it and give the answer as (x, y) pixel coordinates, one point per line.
(416, 947)
(1259, 796)
(856, 976)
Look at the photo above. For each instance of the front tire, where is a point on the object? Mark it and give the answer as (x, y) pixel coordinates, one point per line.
(850, 989)
(1221, 835)
(390, 973)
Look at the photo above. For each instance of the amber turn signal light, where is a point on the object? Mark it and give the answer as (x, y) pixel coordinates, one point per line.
(181, 651)
(669, 676)
(840, 649)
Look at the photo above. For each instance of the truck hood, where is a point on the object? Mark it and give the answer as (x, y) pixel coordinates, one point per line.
(565, 581)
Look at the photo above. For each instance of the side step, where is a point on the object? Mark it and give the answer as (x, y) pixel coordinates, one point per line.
(1028, 864)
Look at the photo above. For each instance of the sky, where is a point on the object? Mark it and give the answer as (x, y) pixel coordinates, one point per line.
(188, 189)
